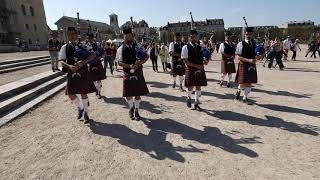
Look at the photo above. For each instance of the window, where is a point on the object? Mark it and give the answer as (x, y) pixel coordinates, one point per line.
(23, 8)
(27, 26)
(30, 41)
(35, 27)
(31, 11)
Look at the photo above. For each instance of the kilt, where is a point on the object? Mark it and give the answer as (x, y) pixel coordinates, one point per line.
(81, 85)
(246, 74)
(134, 84)
(97, 72)
(195, 77)
(177, 68)
(228, 66)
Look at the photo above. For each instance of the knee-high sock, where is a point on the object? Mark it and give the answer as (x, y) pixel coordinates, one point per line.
(247, 91)
(223, 76)
(77, 103)
(189, 94)
(97, 84)
(85, 104)
(174, 79)
(137, 103)
(197, 95)
(229, 77)
(180, 79)
(130, 103)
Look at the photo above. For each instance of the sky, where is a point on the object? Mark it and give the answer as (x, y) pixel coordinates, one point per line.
(158, 13)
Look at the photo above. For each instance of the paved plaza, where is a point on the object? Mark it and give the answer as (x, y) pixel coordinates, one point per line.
(276, 138)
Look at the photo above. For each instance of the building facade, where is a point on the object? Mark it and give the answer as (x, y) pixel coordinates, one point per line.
(102, 30)
(141, 30)
(213, 28)
(114, 23)
(260, 32)
(22, 21)
(298, 24)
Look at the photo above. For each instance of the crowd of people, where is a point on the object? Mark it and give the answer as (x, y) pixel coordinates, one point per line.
(86, 63)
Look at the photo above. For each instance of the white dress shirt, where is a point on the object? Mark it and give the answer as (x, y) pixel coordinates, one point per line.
(63, 52)
(286, 44)
(119, 57)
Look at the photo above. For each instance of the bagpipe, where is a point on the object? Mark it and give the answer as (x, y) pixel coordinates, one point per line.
(206, 54)
(260, 50)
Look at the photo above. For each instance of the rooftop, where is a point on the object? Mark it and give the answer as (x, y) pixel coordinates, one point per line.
(82, 21)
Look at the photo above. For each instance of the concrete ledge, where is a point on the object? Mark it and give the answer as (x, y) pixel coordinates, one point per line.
(22, 60)
(23, 109)
(9, 90)
(20, 99)
(24, 67)
(17, 64)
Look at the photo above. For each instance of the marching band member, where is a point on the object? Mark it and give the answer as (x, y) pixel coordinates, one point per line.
(98, 72)
(194, 59)
(131, 57)
(227, 50)
(247, 70)
(178, 66)
(78, 76)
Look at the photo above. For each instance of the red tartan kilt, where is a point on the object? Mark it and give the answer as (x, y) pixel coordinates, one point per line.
(97, 72)
(133, 88)
(246, 74)
(85, 86)
(192, 79)
(178, 68)
(228, 66)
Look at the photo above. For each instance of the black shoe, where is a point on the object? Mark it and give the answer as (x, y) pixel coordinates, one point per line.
(174, 85)
(197, 107)
(189, 102)
(86, 118)
(80, 114)
(228, 85)
(131, 113)
(238, 95)
(181, 88)
(137, 115)
(53, 70)
(221, 83)
(247, 101)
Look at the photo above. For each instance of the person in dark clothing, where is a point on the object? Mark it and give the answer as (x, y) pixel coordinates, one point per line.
(312, 48)
(277, 53)
(154, 57)
(217, 47)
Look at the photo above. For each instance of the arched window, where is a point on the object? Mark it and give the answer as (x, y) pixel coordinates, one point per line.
(27, 26)
(35, 27)
(31, 11)
(23, 9)
(30, 41)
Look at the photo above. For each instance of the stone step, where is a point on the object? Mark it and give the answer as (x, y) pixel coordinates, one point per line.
(24, 67)
(12, 89)
(18, 64)
(20, 99)
(29, 105)
(22, 60)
